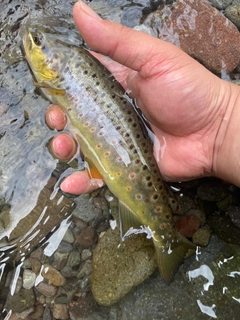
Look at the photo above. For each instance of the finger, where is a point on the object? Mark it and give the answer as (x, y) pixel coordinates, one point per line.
(63, 146)
(55, 117)
(80, 182)
(119, 42)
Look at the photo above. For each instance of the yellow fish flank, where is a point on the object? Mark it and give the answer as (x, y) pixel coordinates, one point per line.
(111, 137)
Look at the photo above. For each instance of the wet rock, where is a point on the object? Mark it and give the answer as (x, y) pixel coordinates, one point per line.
(223, 227)
(87, 237)
(53, 275)
(35, 265)
(21, 301)
(65, 247)
(24, 314)
(188, 225)
(82, 307)
(220, 4)
(202, 32)
(60, 311)
(74, 258)
(86, 254)
(212, 190)
(202, 236)
(48, 290)
(38, 312)
(118, 266)
(85, 210)
(60, 260)
(29, 278)
(233, 14)
(234, 214)
(85, 269)
(184, 202)
(199, 214)
(68, 237)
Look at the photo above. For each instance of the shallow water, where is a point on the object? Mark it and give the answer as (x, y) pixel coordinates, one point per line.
(26, 168)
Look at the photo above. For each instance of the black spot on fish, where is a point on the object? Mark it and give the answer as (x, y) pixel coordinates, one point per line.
(148, 178)
(149, 184)
(77, 65)
(118, 127)
(97, 83)
(130, 119)
(131, 147)
(129, 112)
(155, 196)
(113, 96)
(94, 75)
(144, 167)
(85, 72)
(134, 125)
(138, 136)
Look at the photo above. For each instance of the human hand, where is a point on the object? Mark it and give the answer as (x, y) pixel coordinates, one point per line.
(183, 101)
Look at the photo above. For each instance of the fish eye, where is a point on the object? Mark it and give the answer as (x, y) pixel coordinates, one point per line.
(37, 38)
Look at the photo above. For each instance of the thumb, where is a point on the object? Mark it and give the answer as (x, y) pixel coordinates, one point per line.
(120, 43)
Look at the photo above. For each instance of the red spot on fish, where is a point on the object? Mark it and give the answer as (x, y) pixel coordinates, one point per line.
(158, 209)
(119, 158)
(129, 188)
(80, 114)
(106, 154)
(93, 129)
(162, 226)
(86, 124)
(118, 173)
(138, 196)
(131, 175)
(99, 145)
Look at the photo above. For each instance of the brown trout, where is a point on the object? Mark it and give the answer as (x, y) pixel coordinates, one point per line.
(111, 137)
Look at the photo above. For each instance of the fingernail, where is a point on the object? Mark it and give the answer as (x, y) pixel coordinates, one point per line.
(84, 7)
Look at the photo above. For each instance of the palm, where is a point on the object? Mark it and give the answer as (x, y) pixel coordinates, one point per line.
(180, 108)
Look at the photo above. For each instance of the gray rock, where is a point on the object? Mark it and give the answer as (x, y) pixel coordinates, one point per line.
(220, 4)
(233, 14)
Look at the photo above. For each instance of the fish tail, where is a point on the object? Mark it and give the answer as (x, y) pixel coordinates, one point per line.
(169, 258)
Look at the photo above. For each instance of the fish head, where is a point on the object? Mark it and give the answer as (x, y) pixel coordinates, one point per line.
(45, 55)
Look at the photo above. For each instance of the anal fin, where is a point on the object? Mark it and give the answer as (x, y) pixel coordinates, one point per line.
(170, 258)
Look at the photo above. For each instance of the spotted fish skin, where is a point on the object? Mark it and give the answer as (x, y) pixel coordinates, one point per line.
(111, 136)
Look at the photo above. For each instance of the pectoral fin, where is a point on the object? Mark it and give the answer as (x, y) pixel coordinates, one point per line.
(49, 88)
(92, 170)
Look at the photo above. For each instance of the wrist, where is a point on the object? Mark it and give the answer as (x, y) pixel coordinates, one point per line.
(226, 153)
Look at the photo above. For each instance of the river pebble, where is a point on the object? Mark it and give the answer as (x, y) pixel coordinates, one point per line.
(29, 278)
(54, 276)
(60, 311)
(232, 13)
(87, 237)
(48, 290)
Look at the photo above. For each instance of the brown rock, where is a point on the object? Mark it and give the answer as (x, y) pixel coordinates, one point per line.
(188, 225)
(204, 33)
(53, 275)
(87, 237)
(48, 290)
(60, 311)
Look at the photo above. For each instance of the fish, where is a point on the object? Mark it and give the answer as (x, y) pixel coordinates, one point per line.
(113, 138)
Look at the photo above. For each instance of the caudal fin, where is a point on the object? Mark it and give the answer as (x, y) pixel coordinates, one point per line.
(170, 258)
